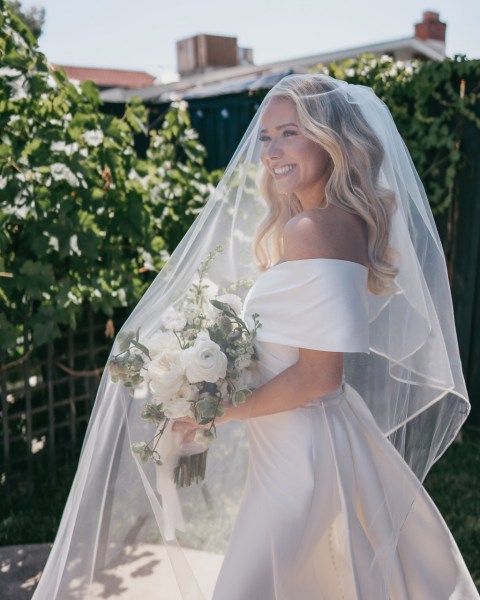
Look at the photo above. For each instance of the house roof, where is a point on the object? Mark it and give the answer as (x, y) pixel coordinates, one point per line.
(248, 77)
(109, 78)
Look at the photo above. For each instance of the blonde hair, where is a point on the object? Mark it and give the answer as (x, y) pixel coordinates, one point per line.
(356, 154)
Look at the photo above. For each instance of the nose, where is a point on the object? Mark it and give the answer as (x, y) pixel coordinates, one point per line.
(273, 149)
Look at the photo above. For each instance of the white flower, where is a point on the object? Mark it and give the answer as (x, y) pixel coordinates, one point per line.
(243, 361)
(74, 249)
(233, 301)
(166, 374)
(249, 378)
(9, 72)
(204, 361)
(180, 104)
(53, 241)
(177, 409)
(51, 82)
(94, 137)
(69, 149)
(223, 389)
(61, 172)
(192, 311)
(163, 340)
(181, 403)
(173, 319)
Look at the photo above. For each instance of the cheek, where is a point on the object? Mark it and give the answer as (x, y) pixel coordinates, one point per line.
(263, 157)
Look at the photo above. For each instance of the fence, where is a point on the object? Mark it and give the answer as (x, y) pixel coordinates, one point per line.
(47, 397)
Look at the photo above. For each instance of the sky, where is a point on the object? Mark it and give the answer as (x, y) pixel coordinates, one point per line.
(142, 34)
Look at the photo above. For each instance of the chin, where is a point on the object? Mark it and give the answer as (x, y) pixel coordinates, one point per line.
(284, 190)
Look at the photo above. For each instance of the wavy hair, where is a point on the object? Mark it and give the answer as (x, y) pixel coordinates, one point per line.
(356, 154)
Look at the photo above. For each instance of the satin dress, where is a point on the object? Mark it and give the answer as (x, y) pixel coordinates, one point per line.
(330, 510)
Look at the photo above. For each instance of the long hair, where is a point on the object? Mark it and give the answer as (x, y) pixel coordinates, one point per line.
(356, 154)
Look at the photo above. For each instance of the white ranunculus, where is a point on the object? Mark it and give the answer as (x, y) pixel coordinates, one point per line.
(166, 374)
(173, 319)
(233, 302)
(204, 361)
(93, 137)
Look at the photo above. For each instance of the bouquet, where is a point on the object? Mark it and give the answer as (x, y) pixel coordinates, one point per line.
(201, 360)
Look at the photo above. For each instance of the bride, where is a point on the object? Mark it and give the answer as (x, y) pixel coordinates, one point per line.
(313, 484)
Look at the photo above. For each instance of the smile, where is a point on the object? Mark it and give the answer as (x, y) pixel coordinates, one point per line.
(282, 170)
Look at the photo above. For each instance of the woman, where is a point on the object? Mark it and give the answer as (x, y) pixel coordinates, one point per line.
(360, 388)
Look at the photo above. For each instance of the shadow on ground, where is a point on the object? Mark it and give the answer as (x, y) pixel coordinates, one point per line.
(20, 570)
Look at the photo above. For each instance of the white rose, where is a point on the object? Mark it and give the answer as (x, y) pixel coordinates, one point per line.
(233, 301)
(166, 374)
(204, 361)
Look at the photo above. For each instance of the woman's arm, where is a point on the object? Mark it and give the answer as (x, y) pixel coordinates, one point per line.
(315, 374)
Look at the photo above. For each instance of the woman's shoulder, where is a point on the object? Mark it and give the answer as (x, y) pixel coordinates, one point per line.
(330, 232)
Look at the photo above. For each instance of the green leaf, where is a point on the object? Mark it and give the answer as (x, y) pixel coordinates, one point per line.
(207, 408)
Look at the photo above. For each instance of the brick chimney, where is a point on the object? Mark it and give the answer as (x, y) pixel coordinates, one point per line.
(431, 28)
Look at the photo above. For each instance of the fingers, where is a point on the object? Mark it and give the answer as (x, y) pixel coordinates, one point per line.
(184, 425)
(188, 437)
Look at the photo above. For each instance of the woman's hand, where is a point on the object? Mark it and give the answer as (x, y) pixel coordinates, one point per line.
(189, 426)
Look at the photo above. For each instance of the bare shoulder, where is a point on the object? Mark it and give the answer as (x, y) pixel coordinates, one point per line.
(325, 233)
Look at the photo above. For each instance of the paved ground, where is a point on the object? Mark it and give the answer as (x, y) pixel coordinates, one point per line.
(140, 573)
(20, 570)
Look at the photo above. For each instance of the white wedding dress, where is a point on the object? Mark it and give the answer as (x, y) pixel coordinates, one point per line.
(326, 508)
(330, 510)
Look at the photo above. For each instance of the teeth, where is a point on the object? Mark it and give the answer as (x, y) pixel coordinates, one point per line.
(282, 170)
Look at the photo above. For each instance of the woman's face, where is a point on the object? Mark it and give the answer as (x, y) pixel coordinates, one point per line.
(296, 163)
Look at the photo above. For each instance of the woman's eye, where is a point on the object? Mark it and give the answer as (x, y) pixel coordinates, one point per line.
(289, 132)
(263, 138)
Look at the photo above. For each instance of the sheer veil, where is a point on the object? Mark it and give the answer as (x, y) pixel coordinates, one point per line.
(411, 380)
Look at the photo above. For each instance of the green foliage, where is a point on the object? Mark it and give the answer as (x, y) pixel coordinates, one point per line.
(454, 484)
(83, 220)
(33, 17)
(430, 103)
(178, 173)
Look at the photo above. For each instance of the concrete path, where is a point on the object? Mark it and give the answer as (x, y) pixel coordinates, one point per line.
(20, 570)
(141, 572)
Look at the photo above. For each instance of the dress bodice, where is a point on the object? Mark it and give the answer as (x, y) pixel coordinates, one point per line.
(318, 304)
